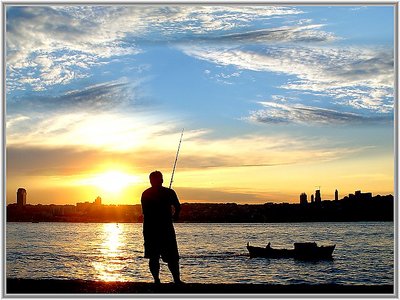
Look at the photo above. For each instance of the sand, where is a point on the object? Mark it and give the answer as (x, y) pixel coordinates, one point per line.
(53, 286)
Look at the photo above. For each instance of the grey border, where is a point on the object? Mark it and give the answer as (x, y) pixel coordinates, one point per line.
(396, 150)
(3, 148)
(203, 2)
(394, 3)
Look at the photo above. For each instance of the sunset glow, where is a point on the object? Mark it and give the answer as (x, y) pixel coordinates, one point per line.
(275, 101)
(108, 266)
(112, 181)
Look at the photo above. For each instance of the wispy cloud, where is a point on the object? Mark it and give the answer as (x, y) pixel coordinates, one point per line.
(221, 77)
(356, 8)
(278, 113)
(111, 131)
(106, 96)
(264, 151)
(143, 150)
(356, 77)
(277, 35)
(104, 115)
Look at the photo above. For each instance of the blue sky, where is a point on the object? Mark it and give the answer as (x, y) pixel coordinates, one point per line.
(255, 87)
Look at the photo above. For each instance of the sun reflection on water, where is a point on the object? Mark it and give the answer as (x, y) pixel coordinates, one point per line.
(109, 265)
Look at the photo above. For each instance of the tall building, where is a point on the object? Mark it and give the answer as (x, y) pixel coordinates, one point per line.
(317, 196)
(303, 199)
(336, 195)
(97, 201)
(312, 198)
(21, 197)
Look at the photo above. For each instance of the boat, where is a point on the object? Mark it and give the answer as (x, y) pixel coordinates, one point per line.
(305, 251)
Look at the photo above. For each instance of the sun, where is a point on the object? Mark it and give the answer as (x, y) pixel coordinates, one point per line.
(113, 181)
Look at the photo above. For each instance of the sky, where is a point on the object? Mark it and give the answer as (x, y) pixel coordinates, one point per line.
(274, 100)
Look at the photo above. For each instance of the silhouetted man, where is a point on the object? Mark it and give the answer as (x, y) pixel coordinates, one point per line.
(158, 229)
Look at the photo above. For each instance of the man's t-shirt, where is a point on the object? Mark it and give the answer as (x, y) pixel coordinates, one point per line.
(158, 229)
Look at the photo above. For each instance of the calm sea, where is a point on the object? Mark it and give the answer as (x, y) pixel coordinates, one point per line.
(210, 253)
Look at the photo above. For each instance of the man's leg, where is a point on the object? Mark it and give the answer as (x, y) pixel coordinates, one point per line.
(154, 264)
(174, 268)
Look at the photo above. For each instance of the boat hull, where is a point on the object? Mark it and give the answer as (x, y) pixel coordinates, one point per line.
(304, 251)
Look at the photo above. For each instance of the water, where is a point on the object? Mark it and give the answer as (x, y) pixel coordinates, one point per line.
(210, 253)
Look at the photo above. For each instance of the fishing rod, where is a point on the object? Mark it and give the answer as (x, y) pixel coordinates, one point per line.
(176, 159)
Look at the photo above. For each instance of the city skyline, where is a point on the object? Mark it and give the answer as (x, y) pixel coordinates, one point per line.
(359, 206)
(21, 199)
(275, 100)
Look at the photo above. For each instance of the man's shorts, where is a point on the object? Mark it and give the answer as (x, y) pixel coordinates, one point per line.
(166, 249)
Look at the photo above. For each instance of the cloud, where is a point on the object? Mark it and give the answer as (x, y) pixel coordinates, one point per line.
(48, 45)
(279, 35)
(259, 150)
(277, 113)
(243, 35)
(223, 78)
(199, 20)
(54, 45)
(356, 77)
(118, 94)
(358, 8)
(104, 115)
(39, 161)
(64, 151)
(280, 98)
(112, 131)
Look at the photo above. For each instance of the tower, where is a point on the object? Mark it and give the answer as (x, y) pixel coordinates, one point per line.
(336, 195)
(317, 196)
(21, 197)
(303, 199)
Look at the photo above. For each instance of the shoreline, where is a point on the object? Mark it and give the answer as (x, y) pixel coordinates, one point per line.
(209, 222)
(77, 286)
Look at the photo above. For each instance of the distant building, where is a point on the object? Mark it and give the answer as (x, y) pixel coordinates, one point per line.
(317, 196)
(21, 197)
(312, 198)
(68, 209)
(83, 206)
(358, 195)
(336, 195)
(303, 199)
(97, 201)
(86, 206)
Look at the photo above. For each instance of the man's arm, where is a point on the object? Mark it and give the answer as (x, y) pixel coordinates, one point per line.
(175, 203)
(143, 204)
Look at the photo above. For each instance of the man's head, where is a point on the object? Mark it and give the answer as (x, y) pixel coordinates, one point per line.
(156, 178)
